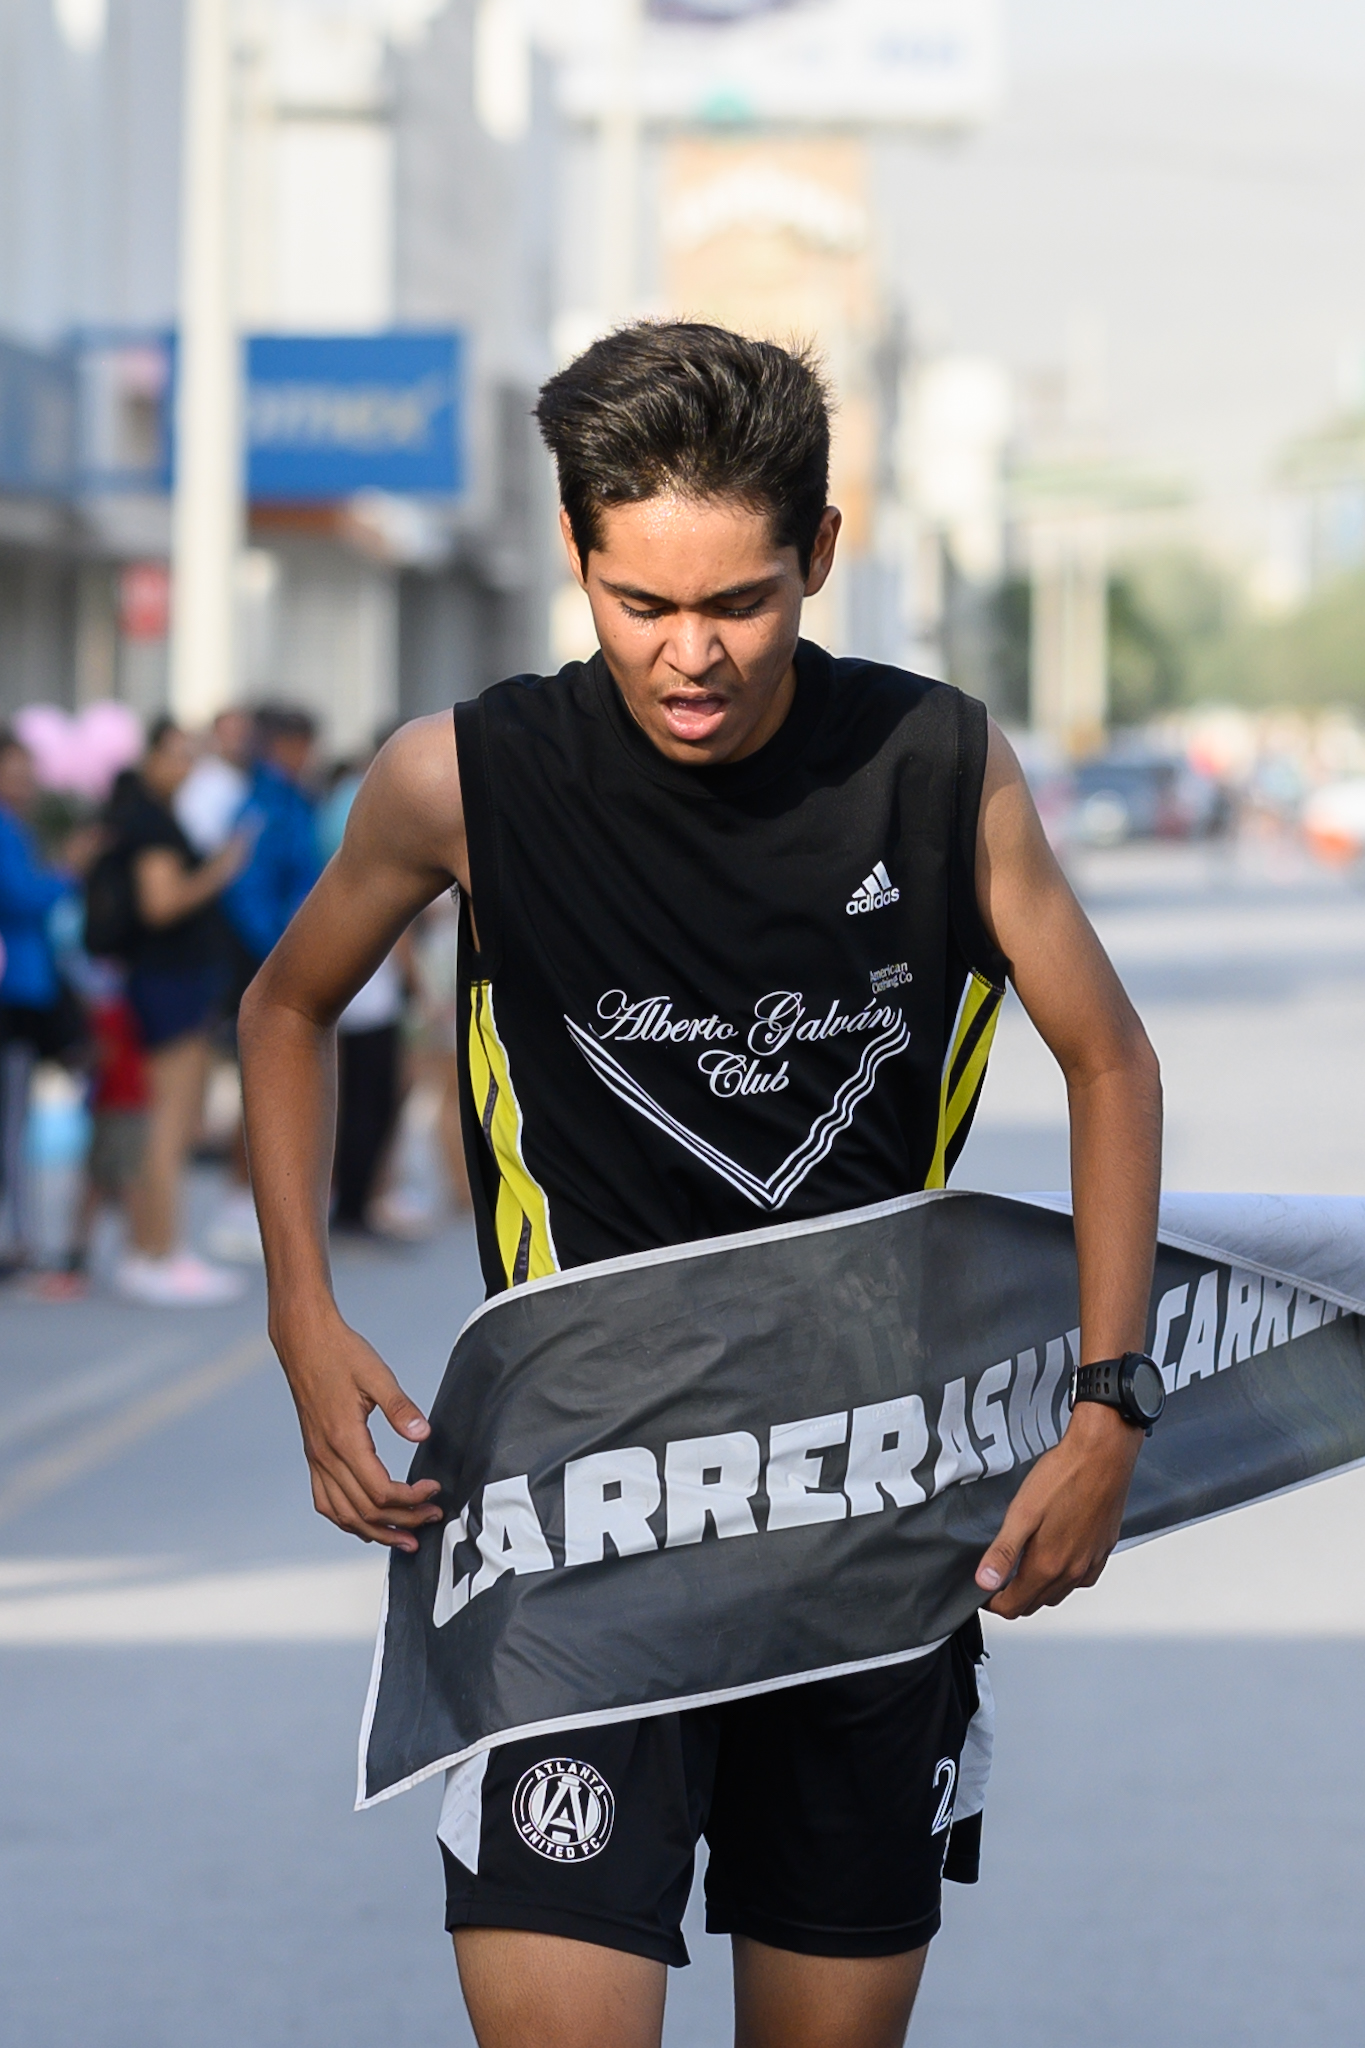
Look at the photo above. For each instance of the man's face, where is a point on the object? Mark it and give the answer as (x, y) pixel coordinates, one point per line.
(698, 612)
(18, 783)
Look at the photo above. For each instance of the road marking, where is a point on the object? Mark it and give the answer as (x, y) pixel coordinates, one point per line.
(27, 1574)
(104, 1441)
(315, 1603)
(99, 1387)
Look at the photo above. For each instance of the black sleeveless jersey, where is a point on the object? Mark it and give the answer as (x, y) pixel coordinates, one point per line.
(709, 999)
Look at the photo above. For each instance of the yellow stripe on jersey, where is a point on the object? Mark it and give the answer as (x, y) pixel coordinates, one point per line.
(522, 1214)
(963, 1068)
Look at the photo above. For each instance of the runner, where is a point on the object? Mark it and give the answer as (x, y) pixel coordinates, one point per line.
(737, 919)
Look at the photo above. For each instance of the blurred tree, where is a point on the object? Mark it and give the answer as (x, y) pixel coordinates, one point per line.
(1168, 613)
(1146, 665)
(993, 662)
(1316, 656)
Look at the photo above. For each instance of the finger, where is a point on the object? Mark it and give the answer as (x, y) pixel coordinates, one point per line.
(1041, 1583)
(323, 1501)
(401, 1414)
(1001, 1561)
(393, 1507)
(390, 1498)
(351, 1449)
(334, 1505)
(351, 1518)
(393, 1496)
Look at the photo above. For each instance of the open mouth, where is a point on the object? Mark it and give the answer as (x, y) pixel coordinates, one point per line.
(694, 716)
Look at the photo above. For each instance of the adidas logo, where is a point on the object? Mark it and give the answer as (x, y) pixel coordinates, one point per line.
(874, 892)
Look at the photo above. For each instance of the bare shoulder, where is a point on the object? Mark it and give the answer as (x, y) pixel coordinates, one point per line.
(408, 808)
(1008, 825)
(1002, 766)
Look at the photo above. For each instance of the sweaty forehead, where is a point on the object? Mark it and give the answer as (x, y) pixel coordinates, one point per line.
(688, 549)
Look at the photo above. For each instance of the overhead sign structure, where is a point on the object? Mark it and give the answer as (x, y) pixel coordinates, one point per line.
(868, 63)
(328, 415)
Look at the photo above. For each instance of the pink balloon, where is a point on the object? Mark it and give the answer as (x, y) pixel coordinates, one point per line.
(110, 738)
(80, 756)
(49, 736)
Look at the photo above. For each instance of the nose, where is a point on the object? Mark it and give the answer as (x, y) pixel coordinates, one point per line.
(694, 648)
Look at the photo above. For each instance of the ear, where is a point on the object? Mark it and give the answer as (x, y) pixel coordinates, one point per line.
(822, 554)
(571, 549)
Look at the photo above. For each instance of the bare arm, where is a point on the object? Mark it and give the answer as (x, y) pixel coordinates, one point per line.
(404, 844)
(1065, 1518)
(167, 890)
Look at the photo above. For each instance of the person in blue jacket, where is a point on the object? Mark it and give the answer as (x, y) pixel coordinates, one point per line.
(279, 809)
(283, 867)
(37, 1020)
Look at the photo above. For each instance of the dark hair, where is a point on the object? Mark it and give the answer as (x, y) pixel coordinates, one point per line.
(9, 740)
(675, 405)
(161, 729)
(283, 722)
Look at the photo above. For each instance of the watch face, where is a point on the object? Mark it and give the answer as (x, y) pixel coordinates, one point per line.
(1146, 1389)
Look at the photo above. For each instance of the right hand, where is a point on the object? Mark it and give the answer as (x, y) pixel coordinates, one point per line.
(338, 1380)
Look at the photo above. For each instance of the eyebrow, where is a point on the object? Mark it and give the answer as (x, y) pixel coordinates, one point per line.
(651, 597)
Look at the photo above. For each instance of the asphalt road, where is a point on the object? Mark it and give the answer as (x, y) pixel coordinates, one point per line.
(1175, 1841)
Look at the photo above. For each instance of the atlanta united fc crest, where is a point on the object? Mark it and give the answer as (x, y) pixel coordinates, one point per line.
(563, 1809)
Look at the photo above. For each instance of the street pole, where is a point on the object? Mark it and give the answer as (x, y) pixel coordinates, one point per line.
(619, 161)
(207, 511)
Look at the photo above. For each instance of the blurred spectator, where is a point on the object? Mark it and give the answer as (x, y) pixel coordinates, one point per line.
(209, 801)
(177, 977)
(283, 867)
(39, 1016)
(335, 807)
(433, 1051)
(118, 1101)
(284, 863)
(369, 1058)
(369, 1046)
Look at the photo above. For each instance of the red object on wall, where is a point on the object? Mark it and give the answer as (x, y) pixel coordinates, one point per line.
(145, 601)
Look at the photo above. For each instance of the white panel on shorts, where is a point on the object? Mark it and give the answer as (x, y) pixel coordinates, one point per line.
(974, 1769)
(461, 1822)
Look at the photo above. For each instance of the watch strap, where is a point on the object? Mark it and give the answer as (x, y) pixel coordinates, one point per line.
(1100, 1381)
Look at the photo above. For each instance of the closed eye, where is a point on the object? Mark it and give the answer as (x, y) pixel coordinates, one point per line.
(745, 611)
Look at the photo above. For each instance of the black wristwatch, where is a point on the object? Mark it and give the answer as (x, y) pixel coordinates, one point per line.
(1132, 1384)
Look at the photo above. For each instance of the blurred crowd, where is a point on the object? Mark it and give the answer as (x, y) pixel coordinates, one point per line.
(143, 879)
(144, 876)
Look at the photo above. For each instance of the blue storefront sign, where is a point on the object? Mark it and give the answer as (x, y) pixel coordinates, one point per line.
(327, 415)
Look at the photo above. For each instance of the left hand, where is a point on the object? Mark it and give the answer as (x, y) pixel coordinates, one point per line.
(1065, 1519)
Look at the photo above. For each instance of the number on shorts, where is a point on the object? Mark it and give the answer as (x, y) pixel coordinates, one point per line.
(945, 1774)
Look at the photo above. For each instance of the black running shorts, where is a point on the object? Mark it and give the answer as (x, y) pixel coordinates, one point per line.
(827, 1808)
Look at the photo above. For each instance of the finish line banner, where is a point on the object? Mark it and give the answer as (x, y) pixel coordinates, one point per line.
(725, 1467)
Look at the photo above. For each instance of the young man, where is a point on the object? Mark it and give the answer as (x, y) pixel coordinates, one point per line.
(688, 868)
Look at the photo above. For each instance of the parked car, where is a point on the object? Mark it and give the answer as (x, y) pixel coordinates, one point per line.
(1123, 796)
